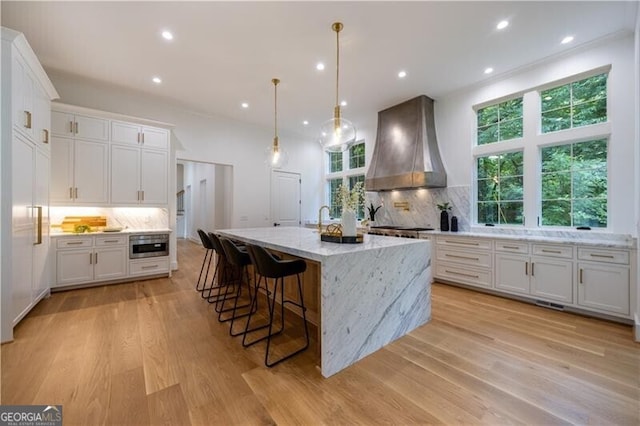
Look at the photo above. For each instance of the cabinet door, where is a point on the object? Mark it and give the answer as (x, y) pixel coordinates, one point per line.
(22, 93)
(552, 279)
(110, 263)
(125, 133)
(41, 263)
(90, 172)
(512, 273)
(61, 170)
(74, 267)
(604, 287)
(153, 137)
(125, 175)
(61, 123)
(22, 229)
(154, 182)
(87, 127)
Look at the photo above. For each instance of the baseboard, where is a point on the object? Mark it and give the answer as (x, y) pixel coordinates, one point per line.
(636, 328)
(174, 265)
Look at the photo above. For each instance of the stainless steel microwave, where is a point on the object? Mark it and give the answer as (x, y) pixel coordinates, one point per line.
(148, 245)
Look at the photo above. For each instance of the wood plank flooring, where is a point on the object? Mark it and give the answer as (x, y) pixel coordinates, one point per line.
(152, 352)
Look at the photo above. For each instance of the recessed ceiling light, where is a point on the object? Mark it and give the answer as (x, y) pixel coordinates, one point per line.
(320, 66)
(244, 105)
(567, 39)
(488, 70)
(402, 74)
(167, 35)
(502, 25)
(305, 122)
(156, 80)
(343, 103)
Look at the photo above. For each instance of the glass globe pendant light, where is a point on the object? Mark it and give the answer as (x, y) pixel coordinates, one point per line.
(337, 134)
(277, 157)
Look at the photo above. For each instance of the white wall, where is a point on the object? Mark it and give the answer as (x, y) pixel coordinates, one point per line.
(637, 167)
(211, 139)
(455, 119)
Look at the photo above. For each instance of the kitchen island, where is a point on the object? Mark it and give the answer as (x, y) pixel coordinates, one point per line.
(370, 294)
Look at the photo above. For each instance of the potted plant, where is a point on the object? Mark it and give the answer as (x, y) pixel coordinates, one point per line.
(372, 212)
(444, 216)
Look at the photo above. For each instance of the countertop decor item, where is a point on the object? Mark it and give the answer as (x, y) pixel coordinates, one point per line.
(372, 212)
(337, 134)
(350, 200)
(454, 224)
(444, 216)
(277, 157)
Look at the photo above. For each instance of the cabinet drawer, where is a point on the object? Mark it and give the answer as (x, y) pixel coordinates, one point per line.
(118, 240)
(460, 274)
(74, 242)
(476, 243)
(156, 265)
(468, 257)
(565, 252)
(512, 247)
(602, 255)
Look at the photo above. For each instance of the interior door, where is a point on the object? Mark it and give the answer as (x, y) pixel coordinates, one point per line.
(285, 198)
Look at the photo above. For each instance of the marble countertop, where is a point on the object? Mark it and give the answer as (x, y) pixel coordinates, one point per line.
(305, 242)
(591, 239)
(56, 233)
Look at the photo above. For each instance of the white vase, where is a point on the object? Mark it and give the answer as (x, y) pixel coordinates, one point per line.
(348, 222)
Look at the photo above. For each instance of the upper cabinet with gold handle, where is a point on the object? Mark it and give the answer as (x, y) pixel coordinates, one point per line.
(81, 126)
(126, 133)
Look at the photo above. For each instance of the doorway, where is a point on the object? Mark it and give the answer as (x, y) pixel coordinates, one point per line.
(285, 198)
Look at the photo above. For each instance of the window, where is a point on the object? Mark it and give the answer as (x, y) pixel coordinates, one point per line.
(353, 180)
(338, 174)
(574, 184)
(575, 104)
(500, 122)
(335, 209)
(335, 162)
(356, 156)
(499, 189)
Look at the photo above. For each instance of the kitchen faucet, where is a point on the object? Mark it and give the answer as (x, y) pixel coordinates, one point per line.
(320, 217)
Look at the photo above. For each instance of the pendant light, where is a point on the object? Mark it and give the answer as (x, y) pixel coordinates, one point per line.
(277, 157)
(337, 134)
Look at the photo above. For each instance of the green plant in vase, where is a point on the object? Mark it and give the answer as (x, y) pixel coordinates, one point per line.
(372, 212)
(444, 215)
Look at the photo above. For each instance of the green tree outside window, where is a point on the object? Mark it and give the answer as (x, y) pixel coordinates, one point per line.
(576, 104)
(574, 184)
(356, 156)
(499, 189)
(335, 208)
(353, 180)
(335, 162)
(500, 122)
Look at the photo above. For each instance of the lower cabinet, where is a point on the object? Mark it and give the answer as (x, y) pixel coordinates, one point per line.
(548, 278)
(604, 280)
(81, 260)
(464, 260)
(149, 266)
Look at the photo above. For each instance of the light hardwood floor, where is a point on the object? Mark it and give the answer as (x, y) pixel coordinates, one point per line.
(152, 352)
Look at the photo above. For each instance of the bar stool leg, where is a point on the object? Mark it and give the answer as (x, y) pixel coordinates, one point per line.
(208, 253)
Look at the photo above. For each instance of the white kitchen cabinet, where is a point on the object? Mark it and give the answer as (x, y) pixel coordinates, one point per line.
(83, 260)
(545, 277)
(79, 171)
(79, 126)
(149, 266)
(464, 260)
(604, 280)
(26, 97)
(143, 136)
(138, 175)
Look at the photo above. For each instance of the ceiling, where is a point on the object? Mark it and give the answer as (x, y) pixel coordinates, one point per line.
(226, 53)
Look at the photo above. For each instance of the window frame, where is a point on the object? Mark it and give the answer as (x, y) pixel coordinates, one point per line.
(532, 142)
(344, 175)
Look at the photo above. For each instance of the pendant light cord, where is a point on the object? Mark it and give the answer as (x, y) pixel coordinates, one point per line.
(337, 28)
(275, 82)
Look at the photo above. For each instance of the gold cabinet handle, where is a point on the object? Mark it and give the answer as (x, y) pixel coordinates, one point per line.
(142, 195)
(580, 275)
(526, 268)
(76, 192)
(533, 264)
(605, 256)
(45, 136)
(75, 127)
(90, 258)
(138, 137)
(551, 251)
(111, 241)
(511, 247)
(38, 226)
(71, 127)
(149, 267)
(73, 243)
(462, 257)
(464, 243)
(27, 119)
(96, 261)
(71, 193)
(142, 138)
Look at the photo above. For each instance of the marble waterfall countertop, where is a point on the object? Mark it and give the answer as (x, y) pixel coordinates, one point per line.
(370, 293)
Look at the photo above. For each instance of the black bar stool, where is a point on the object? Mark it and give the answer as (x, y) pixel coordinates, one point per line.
(208, 254)
(267, 267)
(239, 259)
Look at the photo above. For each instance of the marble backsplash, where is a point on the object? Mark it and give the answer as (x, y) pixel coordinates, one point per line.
(140, 218)
(422, 210)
